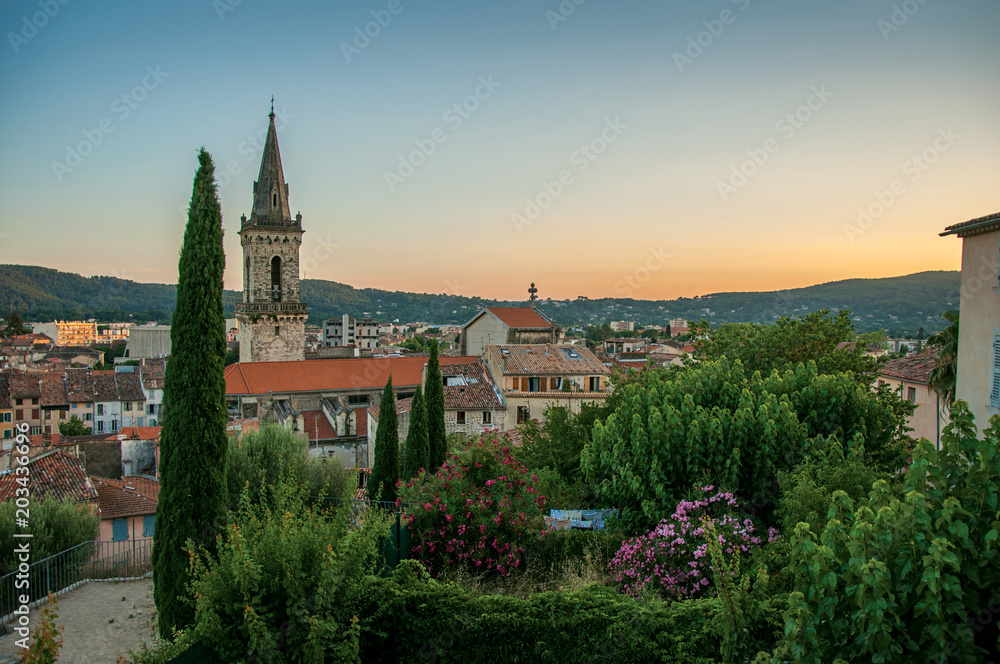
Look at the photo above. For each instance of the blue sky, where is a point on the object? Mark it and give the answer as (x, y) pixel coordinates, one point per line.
(694, 147)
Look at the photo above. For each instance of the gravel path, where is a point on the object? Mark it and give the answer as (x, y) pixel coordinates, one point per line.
(103, 619)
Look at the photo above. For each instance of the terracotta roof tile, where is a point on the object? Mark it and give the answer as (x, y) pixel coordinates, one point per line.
(129, 496)
(990, 222)
(55, 474)
(328, 374)
(545, 359)
(912, 368)
(53, 387)
(25, 385)
(129, 385)
(316, 426)
(79, 386)
(402, 406)
(137, 433)
(478, 391)
(520, 317)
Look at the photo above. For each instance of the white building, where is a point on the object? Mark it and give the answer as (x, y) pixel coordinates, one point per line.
(347, 331)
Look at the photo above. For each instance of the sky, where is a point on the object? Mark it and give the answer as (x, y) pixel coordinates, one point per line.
(630, 148)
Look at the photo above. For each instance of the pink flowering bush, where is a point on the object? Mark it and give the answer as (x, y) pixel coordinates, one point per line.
(479, 511)
(672, 560)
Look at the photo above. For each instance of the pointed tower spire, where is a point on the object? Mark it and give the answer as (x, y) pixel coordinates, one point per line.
(270, 191)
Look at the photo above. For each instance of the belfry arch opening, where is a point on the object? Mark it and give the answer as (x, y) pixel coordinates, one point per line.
(276, 279)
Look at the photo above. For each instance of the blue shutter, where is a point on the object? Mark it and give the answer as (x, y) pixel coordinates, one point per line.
(119, 530)
(148, 525)
(995, 392)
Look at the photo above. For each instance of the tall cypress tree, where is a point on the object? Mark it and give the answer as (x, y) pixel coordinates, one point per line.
(416, 451)
(385, 470)
(193, 441)
(434, 395)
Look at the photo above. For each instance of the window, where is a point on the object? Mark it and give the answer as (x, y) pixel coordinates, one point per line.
(487, 417)
(276, 281)
(151, 409)
(460, 417)
(148, 525)
(88, 417)
(119, 530)
(35, 431)
(9, 433)
(20, 402)
(277, 330)
(128, 405)
(34, 402)
(100, 409)
(357, 399)
(20, 415)
(139, 421)
(911, 394)
(100, 426)
(523, 414)
(595, 383)
(35, 414)
(48, 428)
(995, 391)
(534, 384)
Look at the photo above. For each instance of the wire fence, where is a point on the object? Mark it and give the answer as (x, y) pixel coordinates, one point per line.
(90, 561)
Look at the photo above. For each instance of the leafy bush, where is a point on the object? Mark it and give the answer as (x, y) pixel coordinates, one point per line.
(46, 641)
(911, 578)
(672, 560)
(258, 459)
(283, 582)
(479, 511)
(327, 477)
(558, 443)
(55, 526)
(716, 424)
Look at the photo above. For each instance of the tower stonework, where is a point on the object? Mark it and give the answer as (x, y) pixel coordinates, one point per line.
(272, 318)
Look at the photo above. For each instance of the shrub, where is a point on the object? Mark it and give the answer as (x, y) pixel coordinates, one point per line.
(672, 560)
(55, 526)
(46, 641)
(258, 459)
(480, 510)
(327, 477)
(908, 577)
(283, 583)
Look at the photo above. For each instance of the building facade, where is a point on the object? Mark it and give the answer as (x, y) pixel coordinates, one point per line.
(271, 316)
(68, 333)
(505, 325)
(907, 376)
(979, 328)
(347, 331)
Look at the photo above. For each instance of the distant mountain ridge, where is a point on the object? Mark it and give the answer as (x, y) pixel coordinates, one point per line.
(899, 304)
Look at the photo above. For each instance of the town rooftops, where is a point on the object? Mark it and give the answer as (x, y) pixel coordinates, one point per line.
(54, 474)
(545, 359)
(469, 387)
(129, 496)
(53, 386)
(79, 386)
(912, 368)
(136, 433)
(402, 406)
(316, 426)
(25, 385)
(990, 222)
(352, 373)
(519, 317)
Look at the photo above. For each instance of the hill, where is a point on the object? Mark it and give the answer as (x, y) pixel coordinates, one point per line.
(897, 304)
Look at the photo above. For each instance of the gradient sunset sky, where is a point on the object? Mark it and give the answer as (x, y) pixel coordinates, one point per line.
(827, 108)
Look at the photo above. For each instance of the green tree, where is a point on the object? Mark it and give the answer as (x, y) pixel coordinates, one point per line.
(416, 450)
(73, 427)
(193, 501)
(944, 376)
(385, 470)
(15, 325)
(55, 525)
(434, 395)
(233, 354)
(559, 442)
(257, 460)
(716, 423)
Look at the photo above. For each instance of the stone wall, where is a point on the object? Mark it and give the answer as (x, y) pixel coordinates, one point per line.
(272, 338)
(261, 248)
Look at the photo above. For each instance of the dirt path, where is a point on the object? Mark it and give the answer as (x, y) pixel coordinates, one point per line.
(103, 619)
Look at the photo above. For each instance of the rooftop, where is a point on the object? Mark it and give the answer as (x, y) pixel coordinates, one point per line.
(55, 474)
(524, 317)
(474, 389)
(990, 222)
(545, 359)
(129, 496)
(912, 368)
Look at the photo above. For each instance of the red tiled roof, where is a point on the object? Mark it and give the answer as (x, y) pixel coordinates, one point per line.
(316, 426)
(402, 406)
(129, 496)
(478, 392)
(545, 359)
(912, 368)
(53, 387)
(25, 385)
(55, 474)
(520, 317)
(330, 374)
(137, 433)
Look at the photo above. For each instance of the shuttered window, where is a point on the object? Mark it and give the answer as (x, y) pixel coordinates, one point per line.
(995, 392)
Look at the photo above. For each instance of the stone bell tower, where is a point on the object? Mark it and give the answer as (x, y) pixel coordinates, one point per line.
(272, 319)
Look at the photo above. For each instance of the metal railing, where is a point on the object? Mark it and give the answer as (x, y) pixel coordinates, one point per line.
(66, 570)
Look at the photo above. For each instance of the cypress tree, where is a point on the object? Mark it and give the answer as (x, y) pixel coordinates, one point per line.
(416, 451)
(434, 397)
(193, 498)
(385, 470)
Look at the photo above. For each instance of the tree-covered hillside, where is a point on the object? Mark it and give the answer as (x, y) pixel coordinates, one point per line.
(898, 304)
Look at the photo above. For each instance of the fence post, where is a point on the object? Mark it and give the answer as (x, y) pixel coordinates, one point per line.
(48, 582)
